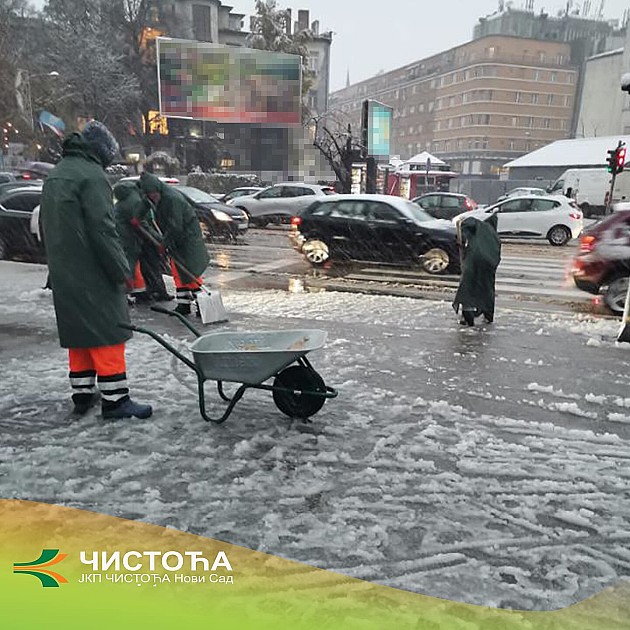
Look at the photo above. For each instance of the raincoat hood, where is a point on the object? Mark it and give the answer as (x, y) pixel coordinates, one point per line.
(150, 183)
(125, 190)
(101, 142)
(74, 145)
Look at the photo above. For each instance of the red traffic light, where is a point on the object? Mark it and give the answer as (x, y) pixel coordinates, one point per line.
(621, 159)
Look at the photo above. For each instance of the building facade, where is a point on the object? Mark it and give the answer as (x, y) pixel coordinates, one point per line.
(602, 101)
(272, 152)
(476, 106)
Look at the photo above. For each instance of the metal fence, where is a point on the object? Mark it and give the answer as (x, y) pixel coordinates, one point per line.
(486, 191)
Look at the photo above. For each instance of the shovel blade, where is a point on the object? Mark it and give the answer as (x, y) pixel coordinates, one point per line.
(211, 307)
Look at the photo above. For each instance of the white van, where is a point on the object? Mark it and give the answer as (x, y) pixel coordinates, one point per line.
(621, 193)
(589, 187)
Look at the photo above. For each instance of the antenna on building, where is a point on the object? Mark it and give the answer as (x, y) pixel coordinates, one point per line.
(348, 78)
(501, 6)
(600, 13)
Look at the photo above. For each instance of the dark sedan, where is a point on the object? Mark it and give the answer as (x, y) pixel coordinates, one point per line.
(443, 205)
(16, 208)
(376, 228)
(217, 219)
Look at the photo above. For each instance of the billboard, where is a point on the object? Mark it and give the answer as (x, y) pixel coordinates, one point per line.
(227, 84)
(377, 129)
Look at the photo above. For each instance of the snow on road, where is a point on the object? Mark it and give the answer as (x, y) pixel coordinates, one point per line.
(489, 466)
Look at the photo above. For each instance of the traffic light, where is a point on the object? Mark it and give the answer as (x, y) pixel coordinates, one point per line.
(612, 160)
(621, 158)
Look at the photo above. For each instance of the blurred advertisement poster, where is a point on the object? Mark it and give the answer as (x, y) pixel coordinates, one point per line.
(225, 84)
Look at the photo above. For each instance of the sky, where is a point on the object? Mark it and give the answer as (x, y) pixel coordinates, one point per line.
(370, 36)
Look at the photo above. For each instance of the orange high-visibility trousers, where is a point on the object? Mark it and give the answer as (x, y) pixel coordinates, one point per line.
(105, 362)
(139, 285)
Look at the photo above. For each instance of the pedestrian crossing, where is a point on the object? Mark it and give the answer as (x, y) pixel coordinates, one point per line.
(545, 276)
(517, 275)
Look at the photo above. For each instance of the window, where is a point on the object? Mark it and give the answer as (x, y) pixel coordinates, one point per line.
(381, 212)
(23, 202)
(412, 109)
(536, 76)
(549, 99)
(553, 77)
(514, 121)
(547, 123)
(271, 193)
(543, 205)
(516, 205)
(519, 97)
(202, 22)
(534, 99)
(491, 50)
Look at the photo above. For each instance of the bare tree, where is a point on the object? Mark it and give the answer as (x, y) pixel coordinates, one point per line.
(86, 51)
(340, 147)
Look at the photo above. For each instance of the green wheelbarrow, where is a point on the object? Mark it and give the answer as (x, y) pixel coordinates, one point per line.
(251, 359)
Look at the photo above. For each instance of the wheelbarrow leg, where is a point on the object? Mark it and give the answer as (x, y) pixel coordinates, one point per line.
(222, 393)
(202, 402)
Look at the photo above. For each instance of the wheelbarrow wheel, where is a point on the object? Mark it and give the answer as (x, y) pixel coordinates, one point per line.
(299, 404)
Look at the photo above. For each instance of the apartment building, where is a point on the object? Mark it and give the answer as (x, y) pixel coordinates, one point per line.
(475, 106)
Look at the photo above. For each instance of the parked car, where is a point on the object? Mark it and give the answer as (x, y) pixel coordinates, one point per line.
(16, 207)
(244, 191)
(522, 192)
(602, 265)
(6, 178)
(557, 219)
(280, 202)
(217, 220)
(135, 178)
(443, 205)
(35, 171)
(378, 228)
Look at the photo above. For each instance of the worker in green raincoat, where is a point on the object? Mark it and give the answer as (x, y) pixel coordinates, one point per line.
(481, 249)
(134, 218)
(183, 240)
(89, 273)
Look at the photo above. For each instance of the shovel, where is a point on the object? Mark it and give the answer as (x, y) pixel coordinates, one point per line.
(209, 303)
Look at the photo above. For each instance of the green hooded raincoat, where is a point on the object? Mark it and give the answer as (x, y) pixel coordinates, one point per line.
(130, 205)
(180, 225)
(482, 255)
(86, 262)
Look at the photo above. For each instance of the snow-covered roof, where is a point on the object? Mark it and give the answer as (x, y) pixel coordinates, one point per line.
(579, 152)
(422, 158)
(608, 53)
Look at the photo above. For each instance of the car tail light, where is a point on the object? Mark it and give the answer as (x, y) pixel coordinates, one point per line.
(576, 215)
(296, 221)
(467, 204)
(587, 243)
(26, 176)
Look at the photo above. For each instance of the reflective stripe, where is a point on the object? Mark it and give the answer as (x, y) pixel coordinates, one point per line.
(87, 381)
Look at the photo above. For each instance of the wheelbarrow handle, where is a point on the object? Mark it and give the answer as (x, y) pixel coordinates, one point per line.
(163, 343)
(182, 319)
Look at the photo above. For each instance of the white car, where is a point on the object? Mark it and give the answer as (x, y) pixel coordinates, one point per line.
(136, 178)
(243, 191)
(522, 192)
(280, 202)
(555, 218)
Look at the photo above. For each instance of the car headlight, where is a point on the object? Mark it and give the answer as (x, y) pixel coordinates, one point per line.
(219, 215)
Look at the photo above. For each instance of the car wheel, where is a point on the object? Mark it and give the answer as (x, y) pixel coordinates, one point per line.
(435, 261)
(559, 235)
(615, 296)
(206, 232)
(316, 252)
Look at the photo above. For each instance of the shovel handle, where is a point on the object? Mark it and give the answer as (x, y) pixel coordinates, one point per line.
(182, 319)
